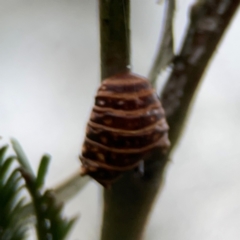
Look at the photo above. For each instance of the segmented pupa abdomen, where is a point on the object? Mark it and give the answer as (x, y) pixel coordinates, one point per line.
(126, 123)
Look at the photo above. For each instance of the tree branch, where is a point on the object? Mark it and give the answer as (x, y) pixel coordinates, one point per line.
(70, 187)
(165, 52)
(209, 20)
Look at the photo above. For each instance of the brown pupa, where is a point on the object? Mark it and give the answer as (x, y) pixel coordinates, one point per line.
(127, 122)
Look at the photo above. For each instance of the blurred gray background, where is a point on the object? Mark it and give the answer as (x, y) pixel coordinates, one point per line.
(49, 73)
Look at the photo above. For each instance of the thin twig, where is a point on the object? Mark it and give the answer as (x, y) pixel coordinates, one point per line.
(69, 188)
(64, 192)
(165, 53)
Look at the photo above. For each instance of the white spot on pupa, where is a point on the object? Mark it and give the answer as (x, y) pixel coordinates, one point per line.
(120, 102)
(101, 102)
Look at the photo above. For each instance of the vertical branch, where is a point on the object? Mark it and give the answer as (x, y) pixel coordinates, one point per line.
(127, 204)
(114, 36)
(165, 52)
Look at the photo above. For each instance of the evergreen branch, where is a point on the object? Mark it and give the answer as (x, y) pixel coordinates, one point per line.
(165, 53)
(12, 225)
(42, 170)
(50, 223)
(21, 156)
(65, 191)
(208, 21)
(2, 153)
(41, 227)
(59, 226)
